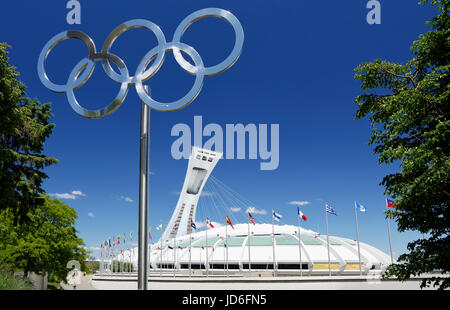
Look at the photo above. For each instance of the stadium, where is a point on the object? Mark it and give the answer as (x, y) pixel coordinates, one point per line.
(249, 247)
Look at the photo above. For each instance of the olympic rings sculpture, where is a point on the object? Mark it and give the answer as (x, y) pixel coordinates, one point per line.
(84, 69)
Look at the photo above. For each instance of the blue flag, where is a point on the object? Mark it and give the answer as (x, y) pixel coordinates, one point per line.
(360, 207)
(330, 209)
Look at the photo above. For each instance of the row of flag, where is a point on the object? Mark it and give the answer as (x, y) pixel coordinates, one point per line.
(275, 216)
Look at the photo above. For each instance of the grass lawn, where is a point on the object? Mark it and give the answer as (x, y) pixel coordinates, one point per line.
(11, 282)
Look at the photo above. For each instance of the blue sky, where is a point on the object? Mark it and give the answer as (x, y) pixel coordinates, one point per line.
(295, 70)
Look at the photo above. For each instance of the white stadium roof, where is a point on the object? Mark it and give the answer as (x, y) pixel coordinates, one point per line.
(314, 251)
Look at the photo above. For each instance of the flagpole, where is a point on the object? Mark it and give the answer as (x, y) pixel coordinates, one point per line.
(299, 243)
(248, 245)
(226, 242)
(160, 255)
(273, 246)
(190, 250)
(357, 239)
(328, 243)
(207, 265)
(174, 255)
(389, 233)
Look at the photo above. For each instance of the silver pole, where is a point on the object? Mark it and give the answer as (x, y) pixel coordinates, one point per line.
(273, 247)
(299, 245)
(389, 233)
(357, 239)
(248, 245)
(328, 243)
(174, 254)
(207, 264)
(143, 195)
(160, 256)
(226, 242)
(190, 252)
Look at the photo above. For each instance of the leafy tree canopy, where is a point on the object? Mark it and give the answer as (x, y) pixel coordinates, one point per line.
(408, 107)
(46, 242)
(24, 127)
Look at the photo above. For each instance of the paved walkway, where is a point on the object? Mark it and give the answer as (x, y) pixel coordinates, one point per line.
(220, 283)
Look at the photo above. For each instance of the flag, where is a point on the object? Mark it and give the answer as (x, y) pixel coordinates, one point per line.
(300, 214)
(276, 216)
(229, 222)
(159, 227)
(180, 247)
(203, 247)
(193, 225)
(360, 207)
(124, 241)
(389, 204)
(131, 236)
(118, 240)
(170, 247)
(174, 229)
(250, 218)
(330, 209)
(150, 233)
(209, 223)
(114, 241)
(109, 242)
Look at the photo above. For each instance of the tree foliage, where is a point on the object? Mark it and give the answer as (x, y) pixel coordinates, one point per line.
(24, 127)
(46, 242)
(408, 107)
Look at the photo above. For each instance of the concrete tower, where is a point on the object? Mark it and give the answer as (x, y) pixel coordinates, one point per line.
(201, 163)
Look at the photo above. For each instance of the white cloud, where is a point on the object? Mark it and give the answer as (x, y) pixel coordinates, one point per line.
(299, 203)
(63, 196)
(94, 248)
(126, 199)
(90, 214)
(74, 195)
(78, 193)
(255, 211)
(232, 209)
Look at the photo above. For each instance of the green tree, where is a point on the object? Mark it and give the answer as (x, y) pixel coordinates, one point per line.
(24, 127)
(46, 242)
(408, 107)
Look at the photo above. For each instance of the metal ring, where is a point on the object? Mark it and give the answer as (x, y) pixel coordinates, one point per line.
(211, 12)
(48, 48)
(131, 24)
(83, 70)
(72, 81)
(190, 96)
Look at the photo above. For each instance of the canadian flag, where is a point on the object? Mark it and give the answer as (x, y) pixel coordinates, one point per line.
(209, 223)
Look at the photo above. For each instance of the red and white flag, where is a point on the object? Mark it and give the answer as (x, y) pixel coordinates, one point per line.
(300, 214)
(209, 223)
